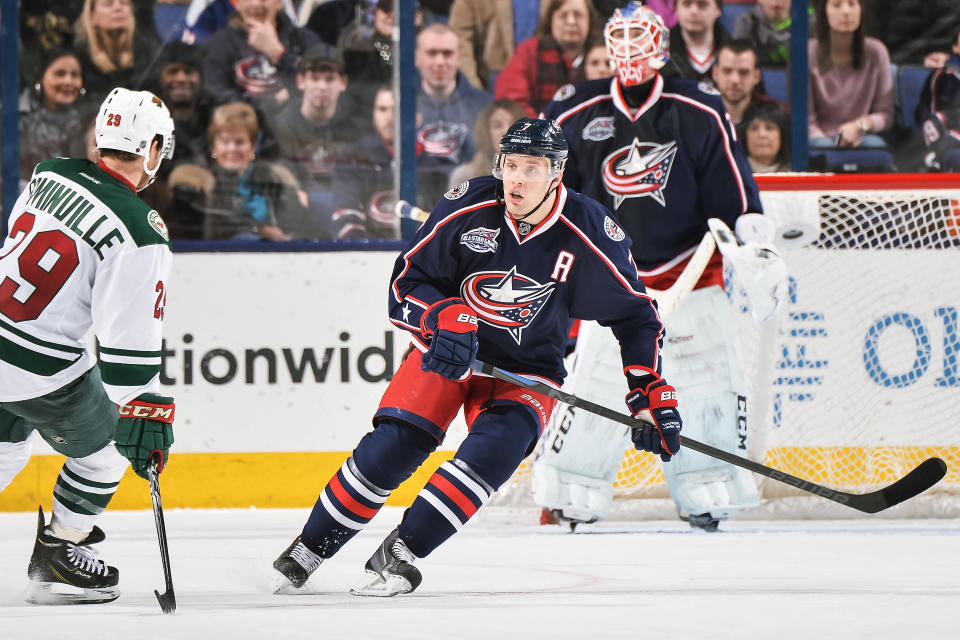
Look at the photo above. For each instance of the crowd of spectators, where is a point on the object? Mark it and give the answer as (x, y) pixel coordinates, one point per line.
(284, 109)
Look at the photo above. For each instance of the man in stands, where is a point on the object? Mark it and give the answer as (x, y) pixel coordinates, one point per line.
(447, 106)
(736, 76)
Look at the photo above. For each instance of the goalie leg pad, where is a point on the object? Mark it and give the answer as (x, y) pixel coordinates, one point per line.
(701, 358)
(581, 452)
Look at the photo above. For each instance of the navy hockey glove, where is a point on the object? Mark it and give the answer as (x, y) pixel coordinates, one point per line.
(145, 427)
(452, 327)
(663, 436)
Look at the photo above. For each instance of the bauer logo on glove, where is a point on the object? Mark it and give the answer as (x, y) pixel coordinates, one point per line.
(654, 402)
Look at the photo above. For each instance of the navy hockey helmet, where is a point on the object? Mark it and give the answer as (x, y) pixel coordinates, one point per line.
(533, 137)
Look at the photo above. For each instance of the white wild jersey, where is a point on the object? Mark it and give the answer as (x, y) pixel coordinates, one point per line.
(82, 252)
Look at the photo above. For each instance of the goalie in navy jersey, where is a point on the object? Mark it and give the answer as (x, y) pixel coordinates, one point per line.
(661, 154)
(496, 272)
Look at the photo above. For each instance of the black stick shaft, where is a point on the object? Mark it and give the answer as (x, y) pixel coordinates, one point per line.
(918, 480)
(167, 600)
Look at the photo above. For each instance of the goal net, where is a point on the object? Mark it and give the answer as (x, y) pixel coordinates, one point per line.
(858, 380)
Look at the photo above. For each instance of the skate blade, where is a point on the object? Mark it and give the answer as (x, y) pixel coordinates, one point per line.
(283, 587)
(54, 593)
(374, 585)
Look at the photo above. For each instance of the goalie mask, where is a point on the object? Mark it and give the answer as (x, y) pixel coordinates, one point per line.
(129, 121)
(637, 42)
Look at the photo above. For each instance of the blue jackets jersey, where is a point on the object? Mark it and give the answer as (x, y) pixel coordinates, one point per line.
(525, 288)
(664, 171)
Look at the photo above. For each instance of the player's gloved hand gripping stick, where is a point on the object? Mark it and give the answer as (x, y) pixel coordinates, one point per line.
(654, 403)
(451, 326)
(921, 478)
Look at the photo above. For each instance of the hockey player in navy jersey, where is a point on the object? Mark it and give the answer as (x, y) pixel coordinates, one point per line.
(496, 272)
(661, 154)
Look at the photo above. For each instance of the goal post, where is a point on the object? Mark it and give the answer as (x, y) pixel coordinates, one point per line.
(858, 380)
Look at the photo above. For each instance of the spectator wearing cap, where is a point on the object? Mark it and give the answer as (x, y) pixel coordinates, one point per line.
(256, 56)
(313, 133)
(180, 86)
(447, 105)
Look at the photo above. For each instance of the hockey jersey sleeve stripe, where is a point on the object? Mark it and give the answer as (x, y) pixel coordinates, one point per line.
(728, 149)
(127, 375)
(426, 239)
(25, 337)
(31, 360)
(133, 353)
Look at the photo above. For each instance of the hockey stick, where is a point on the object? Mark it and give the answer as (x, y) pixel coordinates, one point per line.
(924, 476)
(167, 599)
(669, 299)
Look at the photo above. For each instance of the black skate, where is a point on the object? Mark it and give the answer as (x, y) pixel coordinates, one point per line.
(63, 572)
(296, 564)
(390, 570)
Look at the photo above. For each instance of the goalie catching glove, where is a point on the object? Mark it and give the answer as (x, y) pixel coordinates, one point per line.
(145, 427)
(452, 327)
(654, 402)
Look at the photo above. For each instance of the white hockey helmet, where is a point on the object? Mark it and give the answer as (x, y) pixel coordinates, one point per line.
(130, 120)
(637, 42)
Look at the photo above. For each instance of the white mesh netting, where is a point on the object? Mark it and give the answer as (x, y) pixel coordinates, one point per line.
(858, 381)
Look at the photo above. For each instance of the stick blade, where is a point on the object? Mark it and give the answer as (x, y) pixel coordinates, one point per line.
(925, 475)
(168, 602)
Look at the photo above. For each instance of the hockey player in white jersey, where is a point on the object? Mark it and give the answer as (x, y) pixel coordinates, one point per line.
(85, 255)
(660, 153)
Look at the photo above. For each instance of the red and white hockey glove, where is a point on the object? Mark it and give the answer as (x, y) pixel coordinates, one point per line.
(654, 399)
(451, 326)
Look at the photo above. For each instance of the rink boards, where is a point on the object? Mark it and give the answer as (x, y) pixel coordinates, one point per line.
(277, 361)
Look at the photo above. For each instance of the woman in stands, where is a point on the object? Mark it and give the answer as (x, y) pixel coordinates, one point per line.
(765, 134)
(492, 123)
(851, 85)
(552, 58)
(241, 197)
(113, 52)
(51, 124)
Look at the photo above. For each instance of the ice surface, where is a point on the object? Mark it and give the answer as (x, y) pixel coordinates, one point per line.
(855, 579)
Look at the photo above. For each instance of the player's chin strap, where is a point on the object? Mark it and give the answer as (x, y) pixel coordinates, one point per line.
(542, 200)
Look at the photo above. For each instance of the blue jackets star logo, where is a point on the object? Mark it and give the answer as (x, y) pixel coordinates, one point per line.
(506, 299)
(639, 170)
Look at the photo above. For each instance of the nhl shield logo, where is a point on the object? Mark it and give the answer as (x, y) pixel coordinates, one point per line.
(481, 239)
(457, 191)
(613, 230)
(639, 170)
(506, 299)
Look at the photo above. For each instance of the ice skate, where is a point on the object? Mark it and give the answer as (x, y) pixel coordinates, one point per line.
(64, 572)
(295, 565)
(703, 521)
(390, 570)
